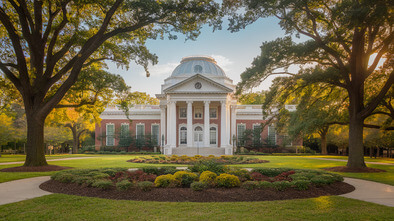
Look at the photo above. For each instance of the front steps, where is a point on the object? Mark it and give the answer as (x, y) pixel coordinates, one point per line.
(203, 151)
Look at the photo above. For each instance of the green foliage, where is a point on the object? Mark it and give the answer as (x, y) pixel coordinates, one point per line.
(205, 165)
(145, 185)
(208, 178)
(250, 185)
(227, 181)
(301, 184)
(281, 185)
(63, 177)
(165, 180)
(124, 185)
(265, 184)
(198, 186)
(102, 184)
(184, 179)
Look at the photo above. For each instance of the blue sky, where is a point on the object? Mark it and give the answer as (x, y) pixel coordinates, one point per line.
(233, 52)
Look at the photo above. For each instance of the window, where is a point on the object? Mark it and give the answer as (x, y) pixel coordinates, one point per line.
(155, 134)
(198, 113)
(213, 113)
(182, 112)
(183, 135)
(240, 134)
(271, 135)
(110, 138)
(212, 135)
(197, 69)
(140, 131)
(124, 130)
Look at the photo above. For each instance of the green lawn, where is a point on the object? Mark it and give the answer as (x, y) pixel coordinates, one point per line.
(367, 159)
(19, 157)
(66, 207)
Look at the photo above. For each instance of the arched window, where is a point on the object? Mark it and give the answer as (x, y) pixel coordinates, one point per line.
(212, 135)
(182, 135)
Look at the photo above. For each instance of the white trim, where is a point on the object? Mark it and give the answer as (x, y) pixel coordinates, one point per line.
(106, 134)
(179, 134)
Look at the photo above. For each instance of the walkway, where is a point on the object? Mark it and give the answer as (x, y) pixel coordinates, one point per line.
(369, 191)
(60, 159)
(341, 160)
(18, 190)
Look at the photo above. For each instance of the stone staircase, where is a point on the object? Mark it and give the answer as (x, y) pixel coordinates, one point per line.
(203, 151)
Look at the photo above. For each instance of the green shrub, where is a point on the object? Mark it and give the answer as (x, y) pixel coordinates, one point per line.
(109, 171)
(151, 170)
(102, 184)
(250, 185)
(168, 170)
(208, 178)
(297, 177)
(184, 178)
(301, 184)
(265, 184)
(100, 176)
(323, 179)
(198, 186)
(145, 185)
(205, 165)
(242, 174)
(281, 185)
(64, 177)
(124, 185)
(271, 172)
(165, 180)
(227, 180)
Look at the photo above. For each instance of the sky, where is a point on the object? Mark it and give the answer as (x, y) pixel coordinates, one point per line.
(234, 52)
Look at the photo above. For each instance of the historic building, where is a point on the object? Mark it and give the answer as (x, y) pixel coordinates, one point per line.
(198, 114)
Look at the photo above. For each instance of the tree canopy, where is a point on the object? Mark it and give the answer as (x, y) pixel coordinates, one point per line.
(341, 37)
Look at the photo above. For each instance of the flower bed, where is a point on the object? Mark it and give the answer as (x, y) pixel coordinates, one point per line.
(174, 159)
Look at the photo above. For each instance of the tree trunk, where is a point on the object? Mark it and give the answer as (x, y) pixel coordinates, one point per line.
(35, 149)
(356, 147)
(323, 141)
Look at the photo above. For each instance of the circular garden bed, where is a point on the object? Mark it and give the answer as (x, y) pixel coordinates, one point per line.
(174, 159)
(200, 183)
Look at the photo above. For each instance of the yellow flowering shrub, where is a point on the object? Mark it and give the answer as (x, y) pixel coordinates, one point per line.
(227, 180)
(208, 178)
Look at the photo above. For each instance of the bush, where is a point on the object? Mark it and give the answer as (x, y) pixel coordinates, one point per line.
(151, 170)
(63, 177)
(205, 165)
(227, 180)
(258, 176)
(208, 178)
(265, 184)
(145, 185)
(281, 185)
(270, 172)
(301, 184)
(102, 184)
(165, 180)
(139, 176)
(250, 185)
(98, 176)
(168, 170)
(323, 179)
(124, 185)
(184, 179)
(243, 175)
(198, 186)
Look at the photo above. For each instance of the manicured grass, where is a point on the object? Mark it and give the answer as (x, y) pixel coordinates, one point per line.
(366, 159)
(20, 157)
(66, 207)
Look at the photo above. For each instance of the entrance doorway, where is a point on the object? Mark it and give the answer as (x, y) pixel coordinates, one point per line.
(198, 137)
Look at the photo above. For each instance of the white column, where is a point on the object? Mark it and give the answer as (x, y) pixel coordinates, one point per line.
(173, 124)
(162, 125)
(223, 125)
(168, 138)
(228, 133)
(206, 123)
(233, 123)
(189, 124)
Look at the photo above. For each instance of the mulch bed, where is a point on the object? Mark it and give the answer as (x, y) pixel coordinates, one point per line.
(188, 195)
(35, 169)
(353, 170)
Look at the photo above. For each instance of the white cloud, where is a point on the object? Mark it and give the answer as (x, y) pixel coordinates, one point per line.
(161, 70)
(223, 62)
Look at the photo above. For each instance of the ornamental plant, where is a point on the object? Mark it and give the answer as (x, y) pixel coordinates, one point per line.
(227, 180)
(208, 178)
(184, 179)
(165, 180)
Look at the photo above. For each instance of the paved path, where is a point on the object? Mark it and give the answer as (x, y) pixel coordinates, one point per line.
(18, 190)
(371, 192)
(318, 158)
(60, 159)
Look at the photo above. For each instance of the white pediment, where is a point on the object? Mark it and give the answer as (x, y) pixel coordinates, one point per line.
(198, 84)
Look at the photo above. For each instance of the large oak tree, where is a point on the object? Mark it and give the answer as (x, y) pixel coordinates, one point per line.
(46, 44)
(342, 35)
